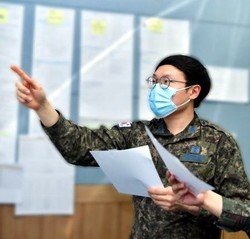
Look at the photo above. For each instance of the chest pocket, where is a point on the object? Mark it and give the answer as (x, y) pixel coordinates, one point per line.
(199, 159)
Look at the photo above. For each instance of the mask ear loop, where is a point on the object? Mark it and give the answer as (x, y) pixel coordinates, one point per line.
(187, 87)
(178, 106)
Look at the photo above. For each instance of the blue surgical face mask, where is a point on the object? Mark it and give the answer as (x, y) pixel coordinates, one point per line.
(160, 100)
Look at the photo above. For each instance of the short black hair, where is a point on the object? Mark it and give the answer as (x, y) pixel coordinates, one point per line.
(194, 71)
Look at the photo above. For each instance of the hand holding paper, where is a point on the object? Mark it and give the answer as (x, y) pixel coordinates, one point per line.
(132, 171)
(181, 173)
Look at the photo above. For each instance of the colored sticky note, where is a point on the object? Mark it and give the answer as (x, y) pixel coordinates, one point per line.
(3, 15)
(4, 133)
(155, 24)
(55, 16)
(98, 27)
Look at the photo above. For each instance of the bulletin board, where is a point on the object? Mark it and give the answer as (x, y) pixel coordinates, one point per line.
(116, 44)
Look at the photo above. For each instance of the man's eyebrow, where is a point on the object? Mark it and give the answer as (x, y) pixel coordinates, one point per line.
(166, 75)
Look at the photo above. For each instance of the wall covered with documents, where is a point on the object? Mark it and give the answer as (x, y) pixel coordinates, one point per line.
(88, 53)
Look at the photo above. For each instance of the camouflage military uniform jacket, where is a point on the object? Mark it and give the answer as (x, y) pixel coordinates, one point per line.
(205, 149)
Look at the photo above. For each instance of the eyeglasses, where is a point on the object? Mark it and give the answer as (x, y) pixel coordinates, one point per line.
(164, 81)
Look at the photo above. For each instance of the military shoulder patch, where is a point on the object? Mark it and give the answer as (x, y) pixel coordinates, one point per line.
(125, 124)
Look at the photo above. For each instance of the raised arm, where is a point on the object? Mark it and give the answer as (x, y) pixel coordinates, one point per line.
(31, 94)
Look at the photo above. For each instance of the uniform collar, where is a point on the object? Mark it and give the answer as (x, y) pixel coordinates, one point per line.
(159, 128)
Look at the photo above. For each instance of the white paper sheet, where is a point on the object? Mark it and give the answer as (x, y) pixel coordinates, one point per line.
(52, 57)
(48, 181)
(131, 171)
(106, 67)
(11, 30)
(11, 178)
(178, 169)
(229, 84)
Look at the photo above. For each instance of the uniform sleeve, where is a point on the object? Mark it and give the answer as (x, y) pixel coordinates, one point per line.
(230, 178)
(74, 142)
(232, 183)
(235, 215)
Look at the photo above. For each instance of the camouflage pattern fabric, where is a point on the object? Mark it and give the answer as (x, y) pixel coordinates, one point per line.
(204, 148)
(235, 216)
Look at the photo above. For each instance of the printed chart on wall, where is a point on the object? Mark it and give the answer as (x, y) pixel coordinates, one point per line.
(106, 67)
(52, 57)
(11, 28)
(48, 181)
(224, 87)
(159, 38)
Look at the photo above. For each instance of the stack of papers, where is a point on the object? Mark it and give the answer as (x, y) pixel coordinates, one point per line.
(132, 171)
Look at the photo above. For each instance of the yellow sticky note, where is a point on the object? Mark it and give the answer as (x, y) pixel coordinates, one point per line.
(3, 133)
(3, 15)
(55, 16)
(98, 27)
(155, 25)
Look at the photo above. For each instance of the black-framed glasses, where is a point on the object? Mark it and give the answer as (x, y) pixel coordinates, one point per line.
(164, 81)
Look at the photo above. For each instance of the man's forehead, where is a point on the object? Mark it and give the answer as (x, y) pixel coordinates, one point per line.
(168, 71)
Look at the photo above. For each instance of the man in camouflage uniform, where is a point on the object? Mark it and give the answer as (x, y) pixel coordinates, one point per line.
(180, 83)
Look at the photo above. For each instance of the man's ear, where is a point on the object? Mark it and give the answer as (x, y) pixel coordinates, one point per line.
(194, 91)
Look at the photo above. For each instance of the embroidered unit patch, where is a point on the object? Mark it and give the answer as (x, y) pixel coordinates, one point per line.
(125, 124)
(195, 149)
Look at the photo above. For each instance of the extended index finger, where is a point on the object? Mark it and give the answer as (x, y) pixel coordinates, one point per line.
(21, 73)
